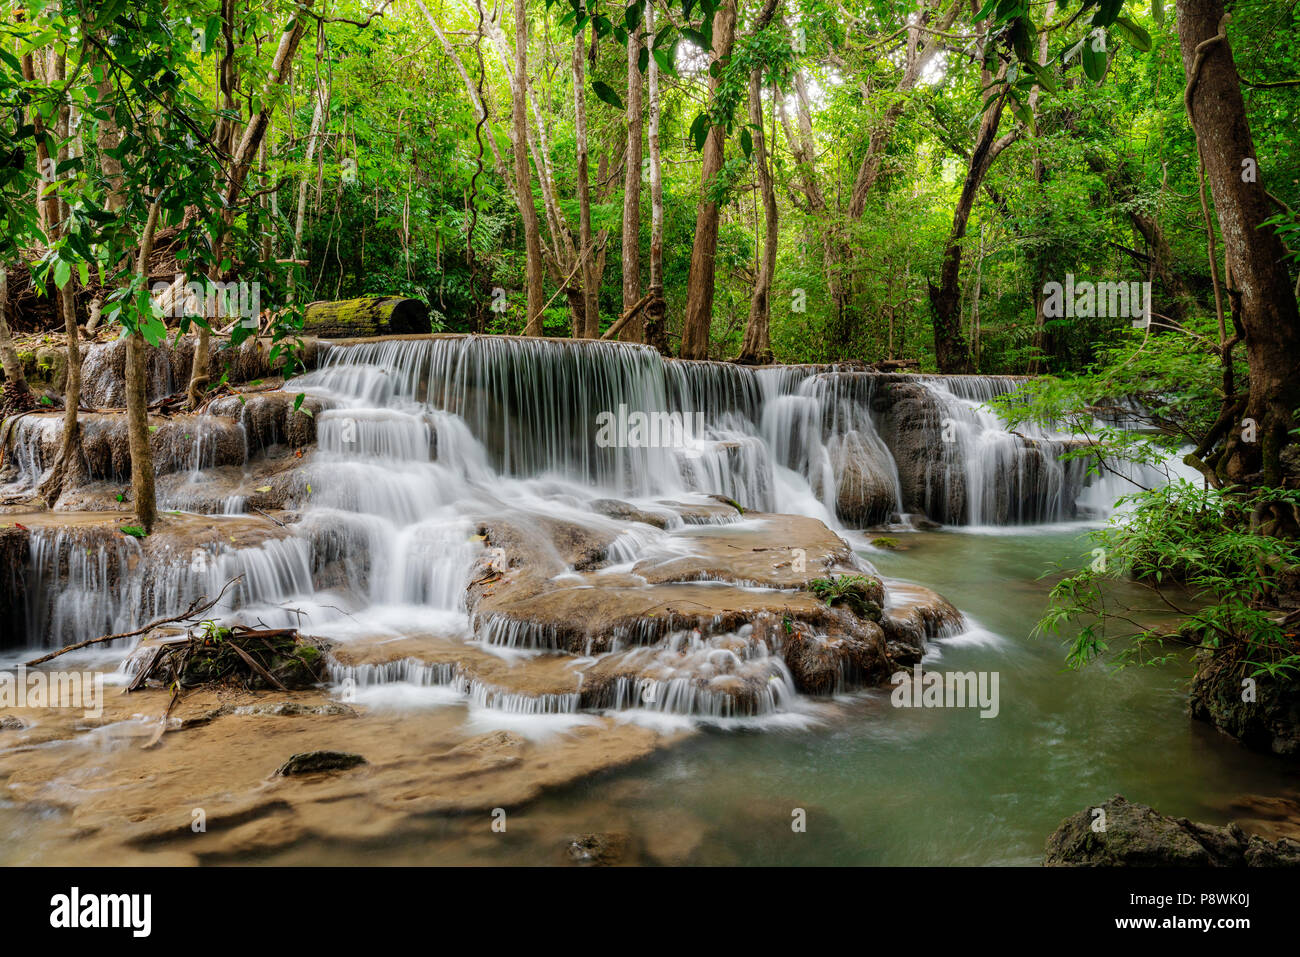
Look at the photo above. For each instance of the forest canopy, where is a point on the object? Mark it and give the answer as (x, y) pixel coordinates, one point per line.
(820, 165)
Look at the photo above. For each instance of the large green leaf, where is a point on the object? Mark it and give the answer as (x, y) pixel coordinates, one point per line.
(700, 130)
(1133, 34)
(606, 93)
(1094, 62)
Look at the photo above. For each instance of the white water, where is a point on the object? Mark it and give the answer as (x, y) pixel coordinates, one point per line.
(422, 441)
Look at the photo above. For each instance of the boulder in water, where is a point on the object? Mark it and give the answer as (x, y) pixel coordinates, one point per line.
(911, 424)
(864, 484)
(1261, 711)
(1123, 834)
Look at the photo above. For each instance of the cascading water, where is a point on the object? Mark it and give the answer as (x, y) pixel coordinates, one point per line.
(1007, 478)
(421, 442)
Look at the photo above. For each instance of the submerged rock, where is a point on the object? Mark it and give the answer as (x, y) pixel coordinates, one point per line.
(598, 850)
(1123, 834)
(314, 762)
(625, 511)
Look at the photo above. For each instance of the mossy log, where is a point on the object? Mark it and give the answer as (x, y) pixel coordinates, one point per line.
(370, 316)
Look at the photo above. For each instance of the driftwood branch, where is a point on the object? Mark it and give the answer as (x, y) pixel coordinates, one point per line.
(197, 607)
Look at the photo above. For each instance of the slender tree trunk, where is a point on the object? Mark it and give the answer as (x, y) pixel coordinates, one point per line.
(244, 155)
(523, 178)
(756, 347)
(833, 252)
(1265, 305)
(69, 467)
(1040, 256)
(107, 137)
(590, 328)
(950, 347)
(634, 331)
(975, 303)
(137, 401)
(321, 96)
(701, 280)
(655, 332)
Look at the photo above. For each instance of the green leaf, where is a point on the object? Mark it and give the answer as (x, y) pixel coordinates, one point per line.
(606, 93)
(700, 130)
(1094, 63)
(632, 16)
(746, 143)
(696, 37)
(135, 531)
(1133, 34)
(1158, 11)
(1043, 75)
(62, 273)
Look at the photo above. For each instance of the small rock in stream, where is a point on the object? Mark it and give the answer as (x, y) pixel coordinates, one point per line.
(312, 762)
(598, 850)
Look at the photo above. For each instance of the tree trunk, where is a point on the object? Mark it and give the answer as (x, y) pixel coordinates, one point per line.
(634, 331)
(69, 466)
(757, 348)
(975, 304)
(700, 282)
(655, 332)
(143, 495)
(833, 251)
(107, 137)
(15, 380)
(242, 159)
(1040, 257)
(1266, 302)
(365, 317)
(523, 178)
(921, 56)
(590, 317)
(321, 96)
(950, 347)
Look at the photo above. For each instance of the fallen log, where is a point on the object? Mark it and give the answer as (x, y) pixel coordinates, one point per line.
(365, 318)
(623, 320)
(894, 365)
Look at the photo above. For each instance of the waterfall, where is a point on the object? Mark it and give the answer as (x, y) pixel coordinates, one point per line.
(1003, 478)
(417, 446)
